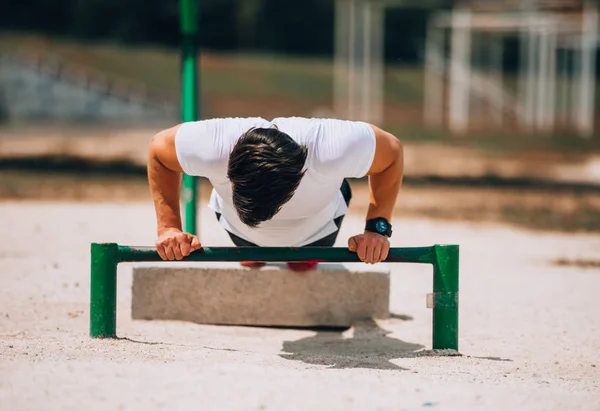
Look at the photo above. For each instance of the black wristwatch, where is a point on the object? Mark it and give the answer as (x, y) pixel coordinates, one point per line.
(380, 226)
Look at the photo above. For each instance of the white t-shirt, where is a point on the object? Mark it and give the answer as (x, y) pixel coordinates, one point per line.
(337, 149)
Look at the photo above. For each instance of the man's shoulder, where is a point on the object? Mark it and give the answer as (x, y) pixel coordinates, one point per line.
(302, 119)
(222, 127)
(234, 120)
(307, 127)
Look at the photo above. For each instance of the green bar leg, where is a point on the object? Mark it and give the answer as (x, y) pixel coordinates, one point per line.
(445, 297)
(103, 301)
(189, 99)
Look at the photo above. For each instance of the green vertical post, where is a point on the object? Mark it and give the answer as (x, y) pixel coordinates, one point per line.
(445, 297)
(103, 290)
(189, 98)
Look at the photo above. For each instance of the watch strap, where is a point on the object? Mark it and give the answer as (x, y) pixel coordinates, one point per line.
(372, 225)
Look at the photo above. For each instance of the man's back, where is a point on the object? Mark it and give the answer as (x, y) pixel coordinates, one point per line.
(337, 149)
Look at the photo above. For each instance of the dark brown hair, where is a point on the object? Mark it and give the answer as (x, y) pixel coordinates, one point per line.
(265, 168)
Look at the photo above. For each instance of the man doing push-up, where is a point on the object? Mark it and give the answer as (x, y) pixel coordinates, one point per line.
(277, 183)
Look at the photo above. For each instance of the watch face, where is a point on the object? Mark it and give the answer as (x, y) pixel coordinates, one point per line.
(381, 226)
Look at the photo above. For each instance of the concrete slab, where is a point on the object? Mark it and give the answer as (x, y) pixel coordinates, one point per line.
(334, 295)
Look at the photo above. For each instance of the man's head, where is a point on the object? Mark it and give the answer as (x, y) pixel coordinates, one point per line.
(265, 169)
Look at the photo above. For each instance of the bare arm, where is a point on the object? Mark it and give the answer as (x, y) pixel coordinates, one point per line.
(385, 175)
(385, 179)
(164, 178)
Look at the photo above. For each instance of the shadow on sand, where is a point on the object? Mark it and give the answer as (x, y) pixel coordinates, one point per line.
(369, 347)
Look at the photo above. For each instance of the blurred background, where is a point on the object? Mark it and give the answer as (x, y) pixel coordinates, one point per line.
(496, 101)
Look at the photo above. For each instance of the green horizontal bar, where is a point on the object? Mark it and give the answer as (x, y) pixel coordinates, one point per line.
(280, 254)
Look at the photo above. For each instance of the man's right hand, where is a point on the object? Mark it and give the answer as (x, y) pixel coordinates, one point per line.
(174, 244)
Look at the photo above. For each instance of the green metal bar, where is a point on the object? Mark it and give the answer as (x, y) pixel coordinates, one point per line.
(445, 260)
(103, 290)
(445, 297)
(280, 254)
(189, 100)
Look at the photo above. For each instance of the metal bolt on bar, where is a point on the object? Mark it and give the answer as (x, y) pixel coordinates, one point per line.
(443, 300)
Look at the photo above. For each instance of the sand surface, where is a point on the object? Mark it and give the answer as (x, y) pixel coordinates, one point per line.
(529, 329)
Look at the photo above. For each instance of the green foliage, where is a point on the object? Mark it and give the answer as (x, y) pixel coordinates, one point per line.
(298, 27)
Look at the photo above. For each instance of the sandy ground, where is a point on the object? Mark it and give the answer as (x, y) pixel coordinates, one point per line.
(529, 329)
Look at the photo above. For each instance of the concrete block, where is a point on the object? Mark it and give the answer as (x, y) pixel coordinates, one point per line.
(332, 296)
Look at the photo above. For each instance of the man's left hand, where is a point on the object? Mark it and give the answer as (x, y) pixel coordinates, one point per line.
(371, 247)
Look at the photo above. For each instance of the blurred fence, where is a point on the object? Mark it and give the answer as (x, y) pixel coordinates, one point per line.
(41, 88)
(555, 86)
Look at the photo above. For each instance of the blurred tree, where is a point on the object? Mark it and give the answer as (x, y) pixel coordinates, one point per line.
(148, 21)
(50, 16)
(304, 27)
(92, 19)
(405, 32)
(218, 24)
(247, 15)
(294, 27)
